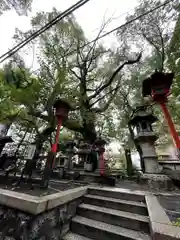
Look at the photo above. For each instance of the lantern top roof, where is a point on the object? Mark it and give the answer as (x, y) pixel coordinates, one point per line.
(61, 103)
(157, 79)
(141, 114)
(100, 141)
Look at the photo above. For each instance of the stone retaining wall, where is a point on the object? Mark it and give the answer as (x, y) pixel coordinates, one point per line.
(50, 224)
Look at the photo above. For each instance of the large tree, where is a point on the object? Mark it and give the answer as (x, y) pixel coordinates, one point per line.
(88, 76)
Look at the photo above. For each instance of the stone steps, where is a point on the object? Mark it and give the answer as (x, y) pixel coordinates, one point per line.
(102, 231)
(108, 213)
(118, 204)
(116, 194)
(114, 217)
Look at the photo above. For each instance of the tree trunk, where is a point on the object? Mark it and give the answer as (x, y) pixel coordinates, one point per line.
(41, 138)
(89, 133)
(129, 162)
(138, 147)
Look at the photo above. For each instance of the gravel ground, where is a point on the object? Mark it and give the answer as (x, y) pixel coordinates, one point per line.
(172, 206)
(35, 190)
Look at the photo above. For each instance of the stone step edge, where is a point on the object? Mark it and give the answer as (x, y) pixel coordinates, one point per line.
(74, 236)
(135, 235)
(120, 192)
(113, 212)
(116, 200)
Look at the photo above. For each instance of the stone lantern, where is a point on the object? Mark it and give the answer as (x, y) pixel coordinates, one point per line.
(142, 121)
(70, 153)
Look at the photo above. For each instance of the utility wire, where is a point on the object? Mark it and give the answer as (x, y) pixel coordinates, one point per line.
(126, 23)
(117, 28)
(12, 51)
(43, 29)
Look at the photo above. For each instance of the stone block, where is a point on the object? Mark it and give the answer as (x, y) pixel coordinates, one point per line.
(151, 165)
(57, 199)
(72, 207)
(157, 181)
(24, 202)
(164, 232)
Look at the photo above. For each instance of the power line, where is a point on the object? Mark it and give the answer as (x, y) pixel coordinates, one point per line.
(99, 37)
(117, 28)
(43, 29)
(127, 23)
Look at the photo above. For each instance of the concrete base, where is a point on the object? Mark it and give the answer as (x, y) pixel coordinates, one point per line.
(151, 165)
(169, 164)
(157, 182)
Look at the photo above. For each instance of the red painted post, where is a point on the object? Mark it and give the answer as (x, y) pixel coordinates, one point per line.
(170, 124)
(54, 146)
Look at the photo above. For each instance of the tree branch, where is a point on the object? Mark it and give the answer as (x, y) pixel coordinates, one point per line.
(75, 74)
(162, 48)
(114, 92)
(39, 115)
(111, 91)
(129, 62)
(73, 125)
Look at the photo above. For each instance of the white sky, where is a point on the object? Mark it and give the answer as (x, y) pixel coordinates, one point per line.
(89, 16)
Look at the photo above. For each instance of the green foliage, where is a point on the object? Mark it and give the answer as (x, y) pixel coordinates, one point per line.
(176, 222)
(21, 6)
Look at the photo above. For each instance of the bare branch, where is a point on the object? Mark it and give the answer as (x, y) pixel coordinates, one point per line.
(92, 49)
(114, 92)
(105, 95)
(129, 62)
(162, 48)
(75, 74)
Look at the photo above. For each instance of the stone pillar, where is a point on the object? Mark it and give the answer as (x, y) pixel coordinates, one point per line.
(146, 141)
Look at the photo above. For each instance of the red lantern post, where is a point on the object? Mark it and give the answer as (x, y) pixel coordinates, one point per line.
(62, 109)
(61, 112)
(158, 87)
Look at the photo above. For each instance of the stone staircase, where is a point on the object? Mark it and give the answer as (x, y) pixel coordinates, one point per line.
(110, 215)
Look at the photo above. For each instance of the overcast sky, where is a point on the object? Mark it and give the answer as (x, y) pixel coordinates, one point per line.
(89, 16)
